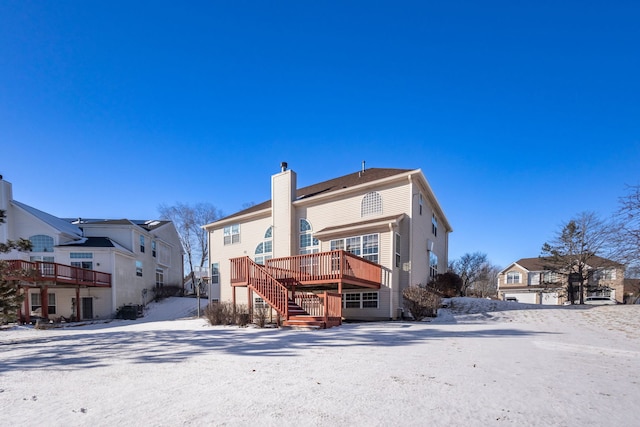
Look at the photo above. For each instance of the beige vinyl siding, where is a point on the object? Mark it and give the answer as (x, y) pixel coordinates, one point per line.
(251, 234)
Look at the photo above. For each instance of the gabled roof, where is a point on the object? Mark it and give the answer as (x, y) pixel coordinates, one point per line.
(543, 263)
(57, 223)
(325, 187)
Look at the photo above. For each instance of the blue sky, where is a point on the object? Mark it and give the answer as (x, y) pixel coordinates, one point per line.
(520, 113)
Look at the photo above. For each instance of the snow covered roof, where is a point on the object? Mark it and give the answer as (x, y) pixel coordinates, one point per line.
(55, 222)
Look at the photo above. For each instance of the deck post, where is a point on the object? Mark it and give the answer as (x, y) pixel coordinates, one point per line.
(77, 303)
(27, 312)
(44, 299)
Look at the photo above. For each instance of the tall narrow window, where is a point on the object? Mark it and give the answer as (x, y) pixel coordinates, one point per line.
(308, 243)
(141, 243)
(264, 249)
(159, 278)
(434, 225)
(139, 268)
(153, 248)
(420, 203)
(371, 204)
(397, 250)
(433, 265)
(215, 273)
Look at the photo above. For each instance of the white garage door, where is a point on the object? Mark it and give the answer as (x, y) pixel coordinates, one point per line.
(529, 297)
(550, 298)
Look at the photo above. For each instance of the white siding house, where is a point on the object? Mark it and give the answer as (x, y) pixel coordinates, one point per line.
(89, 267)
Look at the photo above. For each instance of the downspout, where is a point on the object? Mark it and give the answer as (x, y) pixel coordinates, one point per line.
(393, 267)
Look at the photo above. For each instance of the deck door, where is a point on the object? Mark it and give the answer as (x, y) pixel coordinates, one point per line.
(87, 308)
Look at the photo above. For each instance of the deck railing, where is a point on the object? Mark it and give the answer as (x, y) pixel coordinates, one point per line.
(325, 267)
(327, 305)
(42, 271)
(269, 289)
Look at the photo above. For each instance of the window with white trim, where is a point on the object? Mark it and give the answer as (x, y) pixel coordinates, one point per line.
(141, 243)
(139, 268)
(83, 256)
(41, 243)
(420, 203)
(360, 300)
(264, 250)
(308, 243)
(433, 265)
(153, 248)
(231, 234)
(366, 246)
(434, 225)
(397, 241)
(159, 277)
(215, 273)
(36, 302)
(513, 277)
(371, 204)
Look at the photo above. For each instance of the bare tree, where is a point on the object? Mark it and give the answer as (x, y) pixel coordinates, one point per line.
(574, 248)
(188, 220)
(486, 285)
(469, 268)
(626, 236)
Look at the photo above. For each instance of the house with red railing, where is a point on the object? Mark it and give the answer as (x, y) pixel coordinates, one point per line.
(344, 248)
(82, 269)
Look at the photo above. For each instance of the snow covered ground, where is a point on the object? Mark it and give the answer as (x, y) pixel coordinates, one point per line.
(480, 363)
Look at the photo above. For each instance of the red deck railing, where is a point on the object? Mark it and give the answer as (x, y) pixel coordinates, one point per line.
(325, 267)
(40, 271)
(268, 288)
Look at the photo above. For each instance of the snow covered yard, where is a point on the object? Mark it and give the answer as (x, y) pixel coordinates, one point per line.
(479, 363)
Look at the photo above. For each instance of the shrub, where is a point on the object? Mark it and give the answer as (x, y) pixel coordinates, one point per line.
(260, 315)
(219, 313)
(162, 292)
(420, 302)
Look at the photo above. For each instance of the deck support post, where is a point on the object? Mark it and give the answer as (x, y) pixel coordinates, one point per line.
(77, 303)
(44, 299)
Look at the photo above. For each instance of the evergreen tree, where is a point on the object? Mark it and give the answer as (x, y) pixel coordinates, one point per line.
(10, 297)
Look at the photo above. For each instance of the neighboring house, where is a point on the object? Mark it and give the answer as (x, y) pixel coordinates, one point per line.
(632, 291)
(529, 280)
(362, 238)
(87, 269)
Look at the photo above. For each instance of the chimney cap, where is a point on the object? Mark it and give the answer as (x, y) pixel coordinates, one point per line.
(283, 166)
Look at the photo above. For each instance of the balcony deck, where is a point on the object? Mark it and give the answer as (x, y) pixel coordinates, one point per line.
(324, 270)
(60, 274)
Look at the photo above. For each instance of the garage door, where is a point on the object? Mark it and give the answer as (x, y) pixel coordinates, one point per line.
(550, 298)
(529, 297)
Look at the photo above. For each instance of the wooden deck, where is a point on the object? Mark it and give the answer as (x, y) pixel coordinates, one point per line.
(286, 284)
(59, 274)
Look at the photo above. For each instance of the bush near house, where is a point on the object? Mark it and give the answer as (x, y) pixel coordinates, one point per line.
(420, 302)
(222, 313)
(163, 292)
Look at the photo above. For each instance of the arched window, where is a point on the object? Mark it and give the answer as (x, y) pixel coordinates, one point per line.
(308, 244)
(41, 243)
(371, 204)
(264, 250)
(513, 277)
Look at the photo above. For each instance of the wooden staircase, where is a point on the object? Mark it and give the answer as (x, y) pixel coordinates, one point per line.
(319, 311)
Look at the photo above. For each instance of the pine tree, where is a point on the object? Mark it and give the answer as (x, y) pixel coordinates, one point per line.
(10, 297)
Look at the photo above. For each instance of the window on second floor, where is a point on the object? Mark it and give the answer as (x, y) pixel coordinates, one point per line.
(264, 250)
(153, 248)
(139, 268)
(513, 277)
(365, 246)
(231, 234)
(434, 225)
(308, 243)
(141, 243)
(41, 243)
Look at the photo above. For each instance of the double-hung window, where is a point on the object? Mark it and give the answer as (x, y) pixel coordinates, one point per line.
(231, 234)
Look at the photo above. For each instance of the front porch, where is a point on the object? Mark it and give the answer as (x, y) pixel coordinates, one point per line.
(305, 290)
(45, 276)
